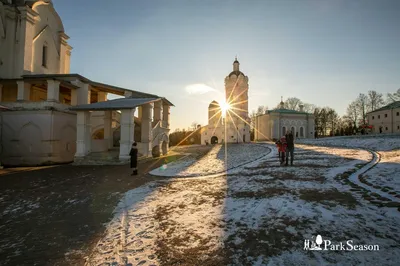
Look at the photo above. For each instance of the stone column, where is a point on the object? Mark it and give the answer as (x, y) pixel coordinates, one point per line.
(83, 134)
(101, 96)
(81, 95)
(165, 120)
(24, 91)
(127, 133)
(53, 90)
(108, 136)
(146, 129)
(157, 111)
(140, 112)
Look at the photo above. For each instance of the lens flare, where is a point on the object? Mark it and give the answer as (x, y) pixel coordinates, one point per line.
(225, 107)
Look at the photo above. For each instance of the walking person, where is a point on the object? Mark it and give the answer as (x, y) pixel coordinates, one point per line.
(290, 148)
(282, 149)
(134, 156)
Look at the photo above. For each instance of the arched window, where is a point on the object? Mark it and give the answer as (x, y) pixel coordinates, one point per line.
(293, 131)
(301, 132)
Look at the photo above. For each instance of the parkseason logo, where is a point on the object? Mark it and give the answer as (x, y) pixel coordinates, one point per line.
(324, 244)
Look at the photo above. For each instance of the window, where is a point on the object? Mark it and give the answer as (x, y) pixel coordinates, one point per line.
(379, 116)
(386, 128)
(302, 132)
(385, 115)
(373, 117)
(44, 56)
(398, 127)
(398, 113)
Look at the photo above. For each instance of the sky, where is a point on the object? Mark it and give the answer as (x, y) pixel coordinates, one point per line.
(323, 52)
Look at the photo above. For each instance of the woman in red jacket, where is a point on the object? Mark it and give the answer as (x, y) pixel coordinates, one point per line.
(282, 146)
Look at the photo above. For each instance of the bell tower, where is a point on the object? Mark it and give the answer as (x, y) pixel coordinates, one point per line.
(236, 91)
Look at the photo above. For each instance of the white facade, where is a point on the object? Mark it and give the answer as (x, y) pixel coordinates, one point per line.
(232, 127)
(276, 123)
(32, 40)
(41, 126)
(385, 120)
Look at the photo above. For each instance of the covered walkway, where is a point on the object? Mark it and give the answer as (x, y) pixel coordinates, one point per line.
(153, 114)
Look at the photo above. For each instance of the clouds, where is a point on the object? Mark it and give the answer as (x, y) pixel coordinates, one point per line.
(199, 89)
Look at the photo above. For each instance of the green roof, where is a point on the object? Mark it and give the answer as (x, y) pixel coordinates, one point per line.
(286, 111)
(388, 107)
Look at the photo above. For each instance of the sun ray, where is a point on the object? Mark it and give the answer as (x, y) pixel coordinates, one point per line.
(236, 103)
(237, 96)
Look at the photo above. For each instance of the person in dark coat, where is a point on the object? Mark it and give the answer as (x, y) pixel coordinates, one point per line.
(290, 148)
(134, 156)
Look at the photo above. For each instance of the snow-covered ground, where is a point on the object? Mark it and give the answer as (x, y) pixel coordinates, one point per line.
(386, 174)
(259, 214)
(221, 158)
(374, 142)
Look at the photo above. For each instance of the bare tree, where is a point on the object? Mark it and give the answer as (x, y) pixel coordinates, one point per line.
(375, 100)
(323, 118)
(260, 111)
(194, 125)
(393, 97)
(309, 108)
(333, 119)
(352, 113)
(293, 103)
(362, 101)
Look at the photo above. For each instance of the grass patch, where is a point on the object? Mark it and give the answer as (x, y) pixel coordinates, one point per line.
(328, 196)
(262, 193)
(268, 240)
(291, 176)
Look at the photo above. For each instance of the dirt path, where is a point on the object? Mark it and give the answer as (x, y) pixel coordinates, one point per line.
(53, 215)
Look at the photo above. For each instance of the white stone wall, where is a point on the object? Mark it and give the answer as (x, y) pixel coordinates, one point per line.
(270, 126)
(22, 37)
(389, 124)
(38, 137)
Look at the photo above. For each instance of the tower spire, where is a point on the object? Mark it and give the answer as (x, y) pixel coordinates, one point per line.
(236, 64)
(282, 103)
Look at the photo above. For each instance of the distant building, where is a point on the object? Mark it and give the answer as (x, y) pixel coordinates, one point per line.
(234, 126)
(276, 123)
(58, 117)
(385, 119)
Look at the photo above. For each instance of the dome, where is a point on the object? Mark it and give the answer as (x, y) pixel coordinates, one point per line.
(213, 104)
(237, 73)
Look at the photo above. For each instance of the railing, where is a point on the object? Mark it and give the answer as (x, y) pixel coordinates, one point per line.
(159, 132)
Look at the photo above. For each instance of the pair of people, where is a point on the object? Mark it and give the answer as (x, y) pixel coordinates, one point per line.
(286, 148)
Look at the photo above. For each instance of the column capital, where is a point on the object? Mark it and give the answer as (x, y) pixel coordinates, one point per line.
(53, 82)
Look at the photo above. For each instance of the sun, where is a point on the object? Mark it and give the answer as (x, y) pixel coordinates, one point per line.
(225, 108)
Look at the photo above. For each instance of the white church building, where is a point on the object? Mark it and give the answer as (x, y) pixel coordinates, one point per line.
(277, 122)
(49, 115)
(229, 122)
